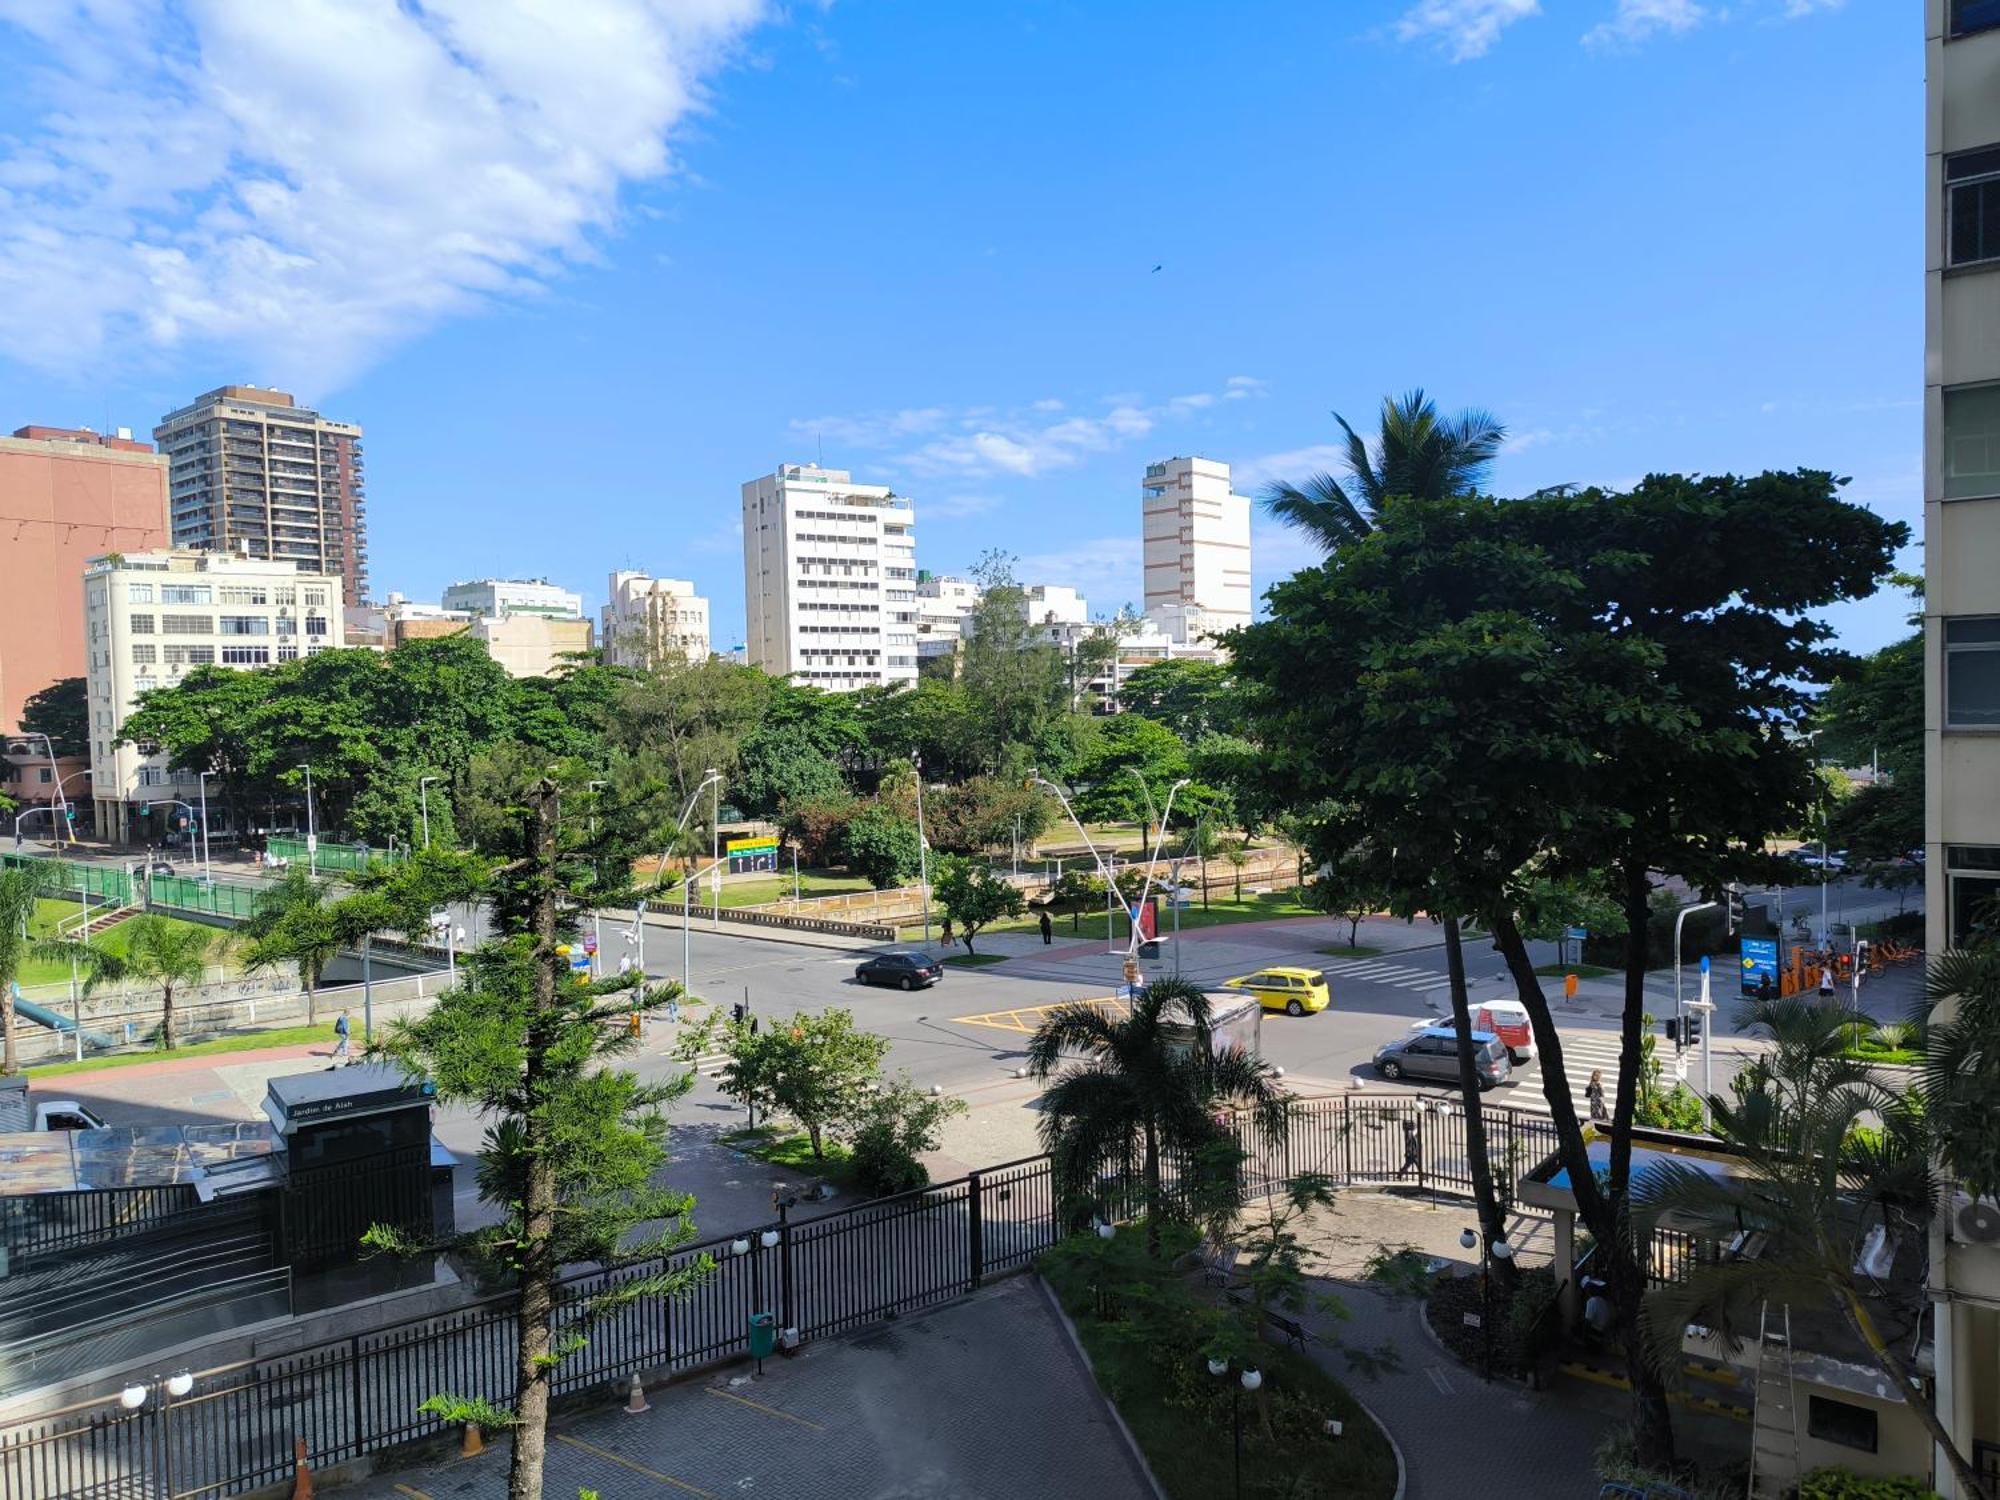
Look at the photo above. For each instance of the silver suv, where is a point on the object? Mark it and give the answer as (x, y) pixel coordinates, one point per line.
(1433, 1053)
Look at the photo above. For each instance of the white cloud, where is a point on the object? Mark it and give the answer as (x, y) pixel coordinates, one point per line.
(1463, 29)
(1243, 387)
(1109, 571)
(958, 507)
(1638, 21)
(873, 429)
(308, 184)
(1252, 474)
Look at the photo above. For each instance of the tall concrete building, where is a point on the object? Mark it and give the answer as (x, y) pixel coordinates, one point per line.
(650, 620)
(1197, 533)
(257, 474)
(1962, 624)
(829, 579)
(66, 495)
(148, 617)
(491, 598)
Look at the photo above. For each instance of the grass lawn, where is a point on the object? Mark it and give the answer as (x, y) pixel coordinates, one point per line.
(792, 1150)
(1190, 1451)
(1221, 912)
(43, 925)
(1581, 971)
(760, 890)
(246, 1041)
(974, 960)
(1342, 950)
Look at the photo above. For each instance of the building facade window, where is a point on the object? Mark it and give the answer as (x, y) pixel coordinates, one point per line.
(245, 625)
(184, 593)
(245, 593)
(1974, 15)
(187, 624)
(1972, 673)
(246, 656)
(1972, 890)
(288, 651)
(144, 655)
(137, 624)
(190, 656)
(139, 593)
(1972, 207)
(315, 624)
(1972, 442)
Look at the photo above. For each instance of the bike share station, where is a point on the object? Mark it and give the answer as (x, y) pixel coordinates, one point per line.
(118, 1241)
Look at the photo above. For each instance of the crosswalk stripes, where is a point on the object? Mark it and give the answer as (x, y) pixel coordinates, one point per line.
(710, 1064)
(1382, 972)
(1585, 1050)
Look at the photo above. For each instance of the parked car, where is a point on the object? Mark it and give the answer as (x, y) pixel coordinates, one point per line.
(162, 867)
(1296, 992)
(1433, 1053)
(1506, 1019)
(905, 968)
(1833, 861)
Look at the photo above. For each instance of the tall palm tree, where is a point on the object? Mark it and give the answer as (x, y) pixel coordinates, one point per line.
(1149, 1084)
(20, 888)
(1961, 1073)
(1417, 453)
(157, 952)
(293, 922)
(1814, 1185)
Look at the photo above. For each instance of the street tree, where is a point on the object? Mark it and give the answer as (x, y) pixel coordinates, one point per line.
(1109, 791)
(573, 1144)
(883, 846)
(816, 1069)
(21, 886)
(1010, 671)
(1192, 698)
(62, 712)
(1348, 886)
(1418, 454)
(155, 953)
(1149, 1085)
(293, 922)
(974, 894)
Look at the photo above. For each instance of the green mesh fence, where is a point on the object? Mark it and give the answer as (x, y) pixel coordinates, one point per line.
(331, 856)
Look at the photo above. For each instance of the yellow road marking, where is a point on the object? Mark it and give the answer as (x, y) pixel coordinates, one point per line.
(679, 1484)
(404, 1489)
(769, 1411)
(1028, 1018)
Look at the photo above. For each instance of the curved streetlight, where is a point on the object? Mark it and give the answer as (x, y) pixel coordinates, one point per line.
(424, 801)
(1035, 778)
(710, 778)
(1498, 1249)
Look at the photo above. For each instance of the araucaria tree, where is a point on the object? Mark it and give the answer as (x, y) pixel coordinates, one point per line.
(573, 1144)
(1148, 1087)
(1593, 689)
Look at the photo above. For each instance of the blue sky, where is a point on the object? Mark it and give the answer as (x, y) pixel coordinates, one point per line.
(580, 277)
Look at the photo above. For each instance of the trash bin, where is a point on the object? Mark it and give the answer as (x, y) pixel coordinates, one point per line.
(1152, 948)
(763, 1334)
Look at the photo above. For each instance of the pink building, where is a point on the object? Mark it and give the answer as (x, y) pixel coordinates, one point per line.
(66, 495)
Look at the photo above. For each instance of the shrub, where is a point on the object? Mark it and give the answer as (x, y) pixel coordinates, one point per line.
(1845, 1484)
(892, 1130)
(882, 1166)
(1677, 1109)
(1617, 1465)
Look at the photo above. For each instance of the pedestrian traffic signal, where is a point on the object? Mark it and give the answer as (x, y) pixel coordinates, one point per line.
(1734, 897)
(1691, 1028)
(1674, 1032)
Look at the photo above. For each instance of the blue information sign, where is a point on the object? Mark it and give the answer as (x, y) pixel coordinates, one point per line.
(1760, 960)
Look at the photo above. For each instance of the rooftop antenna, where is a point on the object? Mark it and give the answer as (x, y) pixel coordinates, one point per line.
(819, 445)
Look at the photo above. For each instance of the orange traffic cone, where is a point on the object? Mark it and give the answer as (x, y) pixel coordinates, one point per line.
(638, 1402)
(302, 1479)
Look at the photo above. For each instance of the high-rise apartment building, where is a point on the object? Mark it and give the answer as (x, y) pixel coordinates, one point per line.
(650, 620)
(257, 474)
(1197, 535)
(150, 616)
(1962, 626)
(829, 579)
(66, 495)
(491, 598)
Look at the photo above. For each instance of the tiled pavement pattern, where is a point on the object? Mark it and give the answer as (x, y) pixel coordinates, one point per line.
(985, 1398)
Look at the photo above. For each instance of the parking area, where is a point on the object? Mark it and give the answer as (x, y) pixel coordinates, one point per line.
(927, 1406)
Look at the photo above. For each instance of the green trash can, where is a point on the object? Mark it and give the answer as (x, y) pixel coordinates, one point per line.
(763, 1335)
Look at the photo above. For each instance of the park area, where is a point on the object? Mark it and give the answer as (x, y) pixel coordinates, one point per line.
(47, 924)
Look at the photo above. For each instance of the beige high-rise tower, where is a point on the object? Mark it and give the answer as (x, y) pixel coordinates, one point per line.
(1197, 536)
(255, 473)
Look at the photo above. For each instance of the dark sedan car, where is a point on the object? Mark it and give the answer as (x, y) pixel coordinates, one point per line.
(905, 968)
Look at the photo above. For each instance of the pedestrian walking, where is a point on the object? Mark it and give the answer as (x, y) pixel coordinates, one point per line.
(1826, 980)
(947, 932)
(340, 1035)
(1048, 930)
(1594, 1092)
(1764, 990)
(1413, 1149)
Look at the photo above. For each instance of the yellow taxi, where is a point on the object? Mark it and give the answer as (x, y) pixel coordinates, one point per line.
(1296, 992)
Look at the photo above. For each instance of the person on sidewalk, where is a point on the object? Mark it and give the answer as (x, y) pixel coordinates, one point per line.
(340, 1034)
(1826, 980)
(945, 932)
(1048, 930)
(1593, 1091)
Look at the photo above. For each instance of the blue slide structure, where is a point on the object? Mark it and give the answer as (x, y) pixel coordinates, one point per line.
(41, 1015)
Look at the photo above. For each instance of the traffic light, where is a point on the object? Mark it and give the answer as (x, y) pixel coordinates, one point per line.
(1734, 897)
(1674, 1032)
(145, 809)
(1691, 1029)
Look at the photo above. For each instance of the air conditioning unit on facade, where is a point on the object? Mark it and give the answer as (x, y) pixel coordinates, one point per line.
(1974, 1221)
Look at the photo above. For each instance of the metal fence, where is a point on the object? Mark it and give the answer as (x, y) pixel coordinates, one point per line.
(821, 1276)
(328, 855)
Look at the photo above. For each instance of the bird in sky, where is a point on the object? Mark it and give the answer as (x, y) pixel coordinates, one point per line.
(1155, 269)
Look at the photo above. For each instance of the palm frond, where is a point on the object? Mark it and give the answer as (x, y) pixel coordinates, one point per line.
(1319, 507)
(1074, 1027)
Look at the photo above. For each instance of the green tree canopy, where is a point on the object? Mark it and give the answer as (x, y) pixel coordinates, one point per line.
(1192, 698)
(62, 712)
(973, 894)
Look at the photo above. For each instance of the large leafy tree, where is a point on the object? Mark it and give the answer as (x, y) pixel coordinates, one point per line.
(574, 1144)
(815, 1068)
(62, 712)
(1144, 1086)
(974, 895)
(1131, 751)
(294, 922)
(1010, 670)
(1418, 453)
(1190, 697)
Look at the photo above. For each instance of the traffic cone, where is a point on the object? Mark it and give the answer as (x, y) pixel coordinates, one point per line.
(637, 1403)
(302, 1479)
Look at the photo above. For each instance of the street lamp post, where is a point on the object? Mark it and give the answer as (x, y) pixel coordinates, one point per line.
(1035, 778)
(312, 830)
(424, 801)
(1248, 1378)
(1496, 1248)
(923, 848)
(207, 869)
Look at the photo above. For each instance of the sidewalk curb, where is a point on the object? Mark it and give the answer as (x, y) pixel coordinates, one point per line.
(1402, 1468)
(1111, 1410)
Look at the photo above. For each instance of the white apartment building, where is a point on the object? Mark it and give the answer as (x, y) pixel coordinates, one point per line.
(1962, 626)
(649, 620)
(829, 579)
(148, 618)
(493, 598)
(1197, 541)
